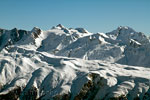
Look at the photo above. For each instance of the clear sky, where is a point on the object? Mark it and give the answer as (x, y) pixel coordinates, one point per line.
(94, 15)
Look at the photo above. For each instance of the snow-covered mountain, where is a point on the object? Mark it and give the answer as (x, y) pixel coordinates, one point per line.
(66, 64)
(123, 45)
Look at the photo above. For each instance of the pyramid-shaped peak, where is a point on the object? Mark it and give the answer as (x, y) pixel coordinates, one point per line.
(60, 25)
(14, 29)
(35, 29)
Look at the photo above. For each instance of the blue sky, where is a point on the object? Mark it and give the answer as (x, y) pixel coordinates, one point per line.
(94, 15)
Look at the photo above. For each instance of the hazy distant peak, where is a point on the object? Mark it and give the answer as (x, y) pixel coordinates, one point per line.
(60, 26)
(35, 29)
(124, 27)
(81, 30)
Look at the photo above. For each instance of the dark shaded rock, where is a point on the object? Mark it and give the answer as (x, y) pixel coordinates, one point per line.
(9, 37)
(147, 95)
(22, 33)
(122, 97)
(12, 95)
(62, 97)
(91, 88)
(1, 31)
(36, 32)
(66, 30)
(31, 94)
(59, 25)
(81, 30)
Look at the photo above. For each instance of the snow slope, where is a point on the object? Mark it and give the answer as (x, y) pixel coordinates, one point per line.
(123, 45)
(68, 64)
(59, 77)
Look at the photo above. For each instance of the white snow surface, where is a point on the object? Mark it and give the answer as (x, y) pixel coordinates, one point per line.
(123, 45)
(63, 61)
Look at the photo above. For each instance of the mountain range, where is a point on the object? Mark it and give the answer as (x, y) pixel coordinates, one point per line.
(74, 64)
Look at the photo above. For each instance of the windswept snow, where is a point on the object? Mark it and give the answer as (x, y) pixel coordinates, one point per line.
(53, 75)
(67, 64)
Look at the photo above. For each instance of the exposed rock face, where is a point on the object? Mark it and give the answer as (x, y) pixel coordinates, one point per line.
(10, 37)
(1, 31)
(61, 26)
(125, 34)
(134, 43)
(62, 97)
(92, 87)
(81, 30)
(12, 95)
(30, 94)
(17, 35)
(36, 32)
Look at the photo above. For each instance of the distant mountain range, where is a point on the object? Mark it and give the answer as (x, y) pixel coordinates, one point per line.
(74, 64)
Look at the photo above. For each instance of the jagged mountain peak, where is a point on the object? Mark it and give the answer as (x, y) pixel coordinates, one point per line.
(74, 43)
(36, 32)
(126, 30)
(122, 30)
(35, 29)
(81, 30)
(66, 30)
(60, 25)
(60, 66)
(125, 34)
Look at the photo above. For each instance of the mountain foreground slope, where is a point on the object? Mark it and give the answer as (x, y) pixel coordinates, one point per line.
(74, 64)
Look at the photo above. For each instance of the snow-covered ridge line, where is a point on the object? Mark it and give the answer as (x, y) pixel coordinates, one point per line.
(123, 45)
(74, 64)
